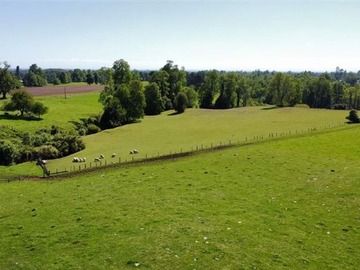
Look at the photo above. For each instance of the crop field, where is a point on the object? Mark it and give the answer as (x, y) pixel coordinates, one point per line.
(291, 203)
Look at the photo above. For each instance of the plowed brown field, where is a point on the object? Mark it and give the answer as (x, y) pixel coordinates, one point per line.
(60, 90)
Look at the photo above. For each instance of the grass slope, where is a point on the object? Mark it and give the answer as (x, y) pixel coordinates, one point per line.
(195, 128)
(288, 204)
(61, 111)
(158, 135)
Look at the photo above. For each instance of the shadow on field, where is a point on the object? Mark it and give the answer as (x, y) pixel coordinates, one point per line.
(270, 108)
(19, 117)
(174, 113)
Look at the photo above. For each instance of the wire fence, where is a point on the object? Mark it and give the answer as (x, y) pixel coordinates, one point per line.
(97, 164)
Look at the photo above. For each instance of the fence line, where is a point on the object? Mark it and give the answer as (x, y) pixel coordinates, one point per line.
(92, 166)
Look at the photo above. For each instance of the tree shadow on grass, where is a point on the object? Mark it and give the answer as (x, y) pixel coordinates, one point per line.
(174, 113)
(19, 117)
(271, 108)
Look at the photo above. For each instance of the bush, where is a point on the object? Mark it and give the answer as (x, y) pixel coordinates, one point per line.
(40, 138)
(57, 81)
(92, 129)
(181, 102)
(8, 153)
(47, 152)
(302, 105)
(353, 117)
(340, 107)
(67, 144)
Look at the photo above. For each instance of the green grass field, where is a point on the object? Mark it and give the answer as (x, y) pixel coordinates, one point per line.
(283, 204)
(61, 111)
(167, 133)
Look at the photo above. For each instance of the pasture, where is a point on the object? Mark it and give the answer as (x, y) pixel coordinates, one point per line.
(168, 133)
(291, 203)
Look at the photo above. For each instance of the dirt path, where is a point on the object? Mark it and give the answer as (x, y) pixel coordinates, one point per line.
(60, 90)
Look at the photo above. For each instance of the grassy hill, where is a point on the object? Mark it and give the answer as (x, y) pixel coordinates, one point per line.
(284, 204)
(168, 133)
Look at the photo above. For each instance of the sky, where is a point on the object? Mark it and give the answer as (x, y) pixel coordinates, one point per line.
(197, 35)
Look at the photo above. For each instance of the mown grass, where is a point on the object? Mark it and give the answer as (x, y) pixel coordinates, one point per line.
(286, 204)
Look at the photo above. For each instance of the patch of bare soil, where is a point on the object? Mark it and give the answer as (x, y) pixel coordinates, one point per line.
(60, 90)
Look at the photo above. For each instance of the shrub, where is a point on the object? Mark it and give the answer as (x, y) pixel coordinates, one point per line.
(340, 107)
(47, 152)
(67, 143)
(181, 102)
(57, 81)
(8, 153)
(302, 105)
(353, 117)
(40, 138)
(92, 129)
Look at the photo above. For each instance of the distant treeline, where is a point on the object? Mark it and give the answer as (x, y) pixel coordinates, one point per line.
(224, 89)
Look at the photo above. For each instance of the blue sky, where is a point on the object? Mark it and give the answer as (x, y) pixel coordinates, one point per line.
(205, 34)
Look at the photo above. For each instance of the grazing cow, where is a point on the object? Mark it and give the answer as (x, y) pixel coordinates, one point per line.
(136, 151)
(97, 159)
(76, 159)
(113, 155)
(102, 156)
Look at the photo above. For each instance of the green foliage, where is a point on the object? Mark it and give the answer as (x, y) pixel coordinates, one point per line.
(123, 101)
(35, 77)
(20, 147)
(228, 86)
(92, 129)
(153, 100)
(57, 81)
(302, 106)
(284, 90)
(78, 75)
(89, 78)
(65, 77)
(122, 73)
(192, 96)
(39, 108)
(8, 153)
(8, 81)
(67, 143)
(23, 101)
(47, 152)
(353, 117)
(209, 89)
(181, 102)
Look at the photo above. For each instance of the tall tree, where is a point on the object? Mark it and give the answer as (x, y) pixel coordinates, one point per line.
(8, 81)
(136, 104)
(35, 77)
(153, 100)
(338, 93)
(176, 80)
(228, 85)
(23, 101)
(122, 72)
(209, 89)
(242, 91)
(77, 75)
(284, 90)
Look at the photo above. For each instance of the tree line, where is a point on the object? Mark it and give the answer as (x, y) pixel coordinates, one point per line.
(211, 88)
